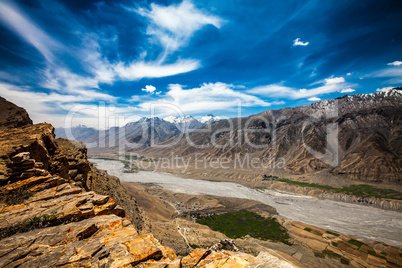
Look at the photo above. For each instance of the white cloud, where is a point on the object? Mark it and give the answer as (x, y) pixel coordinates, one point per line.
(394, 73)
(297, 42)
(395, 63)
(348, 74)
(347, 90)
(330, 85)
(135, 98)
(27, 30)
(54, 107)
(384, 89)
(149, 89)
(334, 80)
(139, 70)
(174, 25)
(174, 18)
(207, 97)
(314, 99)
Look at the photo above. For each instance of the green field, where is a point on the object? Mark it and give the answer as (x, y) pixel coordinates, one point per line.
(361, 190)
(238, 224)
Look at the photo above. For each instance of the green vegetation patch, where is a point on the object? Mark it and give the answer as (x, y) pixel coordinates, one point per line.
(361, 190)
(331, 254)
(356, 243)
(127, 156)
(306, 184)
(307, 229)
(194, 246)
(241, 223)
(373, 253)
(269, 177)
(333, 233)
(371, 191)
(16, 197)
(36, 222)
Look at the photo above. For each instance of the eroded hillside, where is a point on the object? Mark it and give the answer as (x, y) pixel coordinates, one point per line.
(364, 145)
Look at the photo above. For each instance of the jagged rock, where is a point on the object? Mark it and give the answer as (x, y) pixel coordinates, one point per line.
(101, 182)
(73, 173)
(12, 116)
(195, 257)
(18, 158)
(227, 244)
(97, 241)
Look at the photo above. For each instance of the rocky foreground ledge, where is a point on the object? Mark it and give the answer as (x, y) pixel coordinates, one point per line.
(56, 209)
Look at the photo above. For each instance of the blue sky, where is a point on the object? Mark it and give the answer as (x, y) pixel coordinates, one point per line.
(62, 60)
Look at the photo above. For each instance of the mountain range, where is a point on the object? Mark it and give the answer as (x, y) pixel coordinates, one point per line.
(356, 136)
(139, 134)
(366, 144)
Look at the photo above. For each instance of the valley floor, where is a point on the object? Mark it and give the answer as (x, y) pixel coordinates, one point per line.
(352, 219)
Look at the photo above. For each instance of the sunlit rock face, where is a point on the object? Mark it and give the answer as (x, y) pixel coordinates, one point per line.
(49, 215)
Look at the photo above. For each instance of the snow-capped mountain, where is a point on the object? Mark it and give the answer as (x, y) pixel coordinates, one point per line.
(209, 118)
(185, 123)
(146, 131)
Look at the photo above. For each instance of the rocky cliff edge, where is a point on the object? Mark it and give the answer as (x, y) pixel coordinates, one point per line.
(56, 209)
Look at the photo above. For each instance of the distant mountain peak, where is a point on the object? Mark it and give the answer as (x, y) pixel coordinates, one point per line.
(209, 118)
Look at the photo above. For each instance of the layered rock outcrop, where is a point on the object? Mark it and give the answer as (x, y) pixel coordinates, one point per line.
(50, 217)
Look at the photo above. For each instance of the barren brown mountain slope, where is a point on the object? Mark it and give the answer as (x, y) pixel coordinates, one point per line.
(368, 147)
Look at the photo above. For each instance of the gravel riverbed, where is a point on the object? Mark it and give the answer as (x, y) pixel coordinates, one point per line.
(355, 220)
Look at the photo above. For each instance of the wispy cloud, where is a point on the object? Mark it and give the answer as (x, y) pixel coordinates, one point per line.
(394, 73)
(329, 85)
(297, 42)
(17, 21)
(172, 26)
(139, 70)
(207, 97)
(314, 99)
(178, 21)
